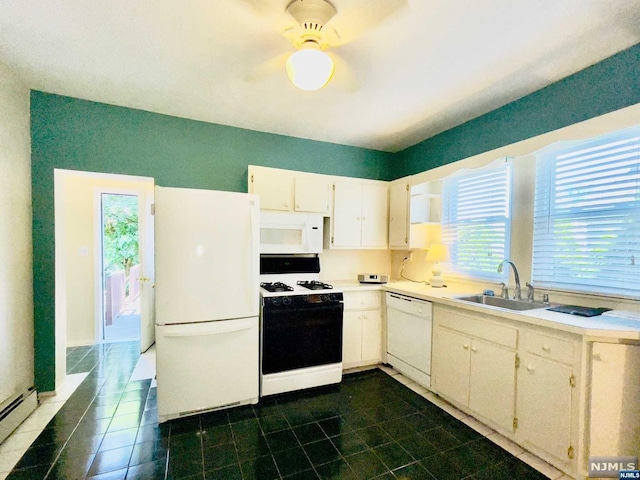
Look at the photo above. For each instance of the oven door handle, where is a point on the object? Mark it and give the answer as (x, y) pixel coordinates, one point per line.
(207, 328)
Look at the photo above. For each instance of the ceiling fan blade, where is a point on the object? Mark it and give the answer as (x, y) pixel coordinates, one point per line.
(269, 67)
(356, 17)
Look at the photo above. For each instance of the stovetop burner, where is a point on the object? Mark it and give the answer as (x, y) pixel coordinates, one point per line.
(276, 287)
(315, 285)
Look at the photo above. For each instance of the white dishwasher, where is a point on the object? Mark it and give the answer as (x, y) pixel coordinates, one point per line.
(409, 326)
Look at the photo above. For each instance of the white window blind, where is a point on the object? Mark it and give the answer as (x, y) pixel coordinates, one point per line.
(476, 223)
(587, 215)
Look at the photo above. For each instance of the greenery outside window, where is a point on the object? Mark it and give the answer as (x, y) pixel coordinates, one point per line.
(476, 223)
(587, 215)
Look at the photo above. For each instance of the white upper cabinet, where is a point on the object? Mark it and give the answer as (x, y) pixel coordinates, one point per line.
(290, 191)
(312, 193)
(414, 215)
(359, 215)
(399, 215)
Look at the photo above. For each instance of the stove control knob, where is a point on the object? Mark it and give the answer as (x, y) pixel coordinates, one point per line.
(275, 302)
(286, 300)
(326, 297)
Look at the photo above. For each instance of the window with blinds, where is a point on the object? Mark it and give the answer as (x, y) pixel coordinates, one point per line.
(587, 215)
(476, 223)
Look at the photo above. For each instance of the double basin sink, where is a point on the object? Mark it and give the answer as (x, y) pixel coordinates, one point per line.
(506, 303)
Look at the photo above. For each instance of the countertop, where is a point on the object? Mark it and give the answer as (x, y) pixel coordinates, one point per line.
(593, 327)
(590, 327)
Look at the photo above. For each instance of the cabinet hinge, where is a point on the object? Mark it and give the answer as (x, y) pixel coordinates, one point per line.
(517, 361)
(572, 380)
(515, 423)
(153, 209)
(406, 240)
(252, 178)
(407, 187)
(570, 452)
(333, 187)
(331, 240)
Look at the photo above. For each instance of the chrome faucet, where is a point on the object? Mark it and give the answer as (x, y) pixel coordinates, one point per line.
(518, 291)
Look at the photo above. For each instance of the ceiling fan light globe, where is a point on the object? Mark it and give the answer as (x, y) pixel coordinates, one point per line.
(309, 69)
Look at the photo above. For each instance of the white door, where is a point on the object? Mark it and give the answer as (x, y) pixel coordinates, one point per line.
(544, 405)
(492, 383)
(207, 255)
(347, 213)
(375, 209)
(312, 194)
(147, 271)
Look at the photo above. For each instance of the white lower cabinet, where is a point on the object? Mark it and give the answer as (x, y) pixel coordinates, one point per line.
(547, 400)
(526, 382)
(614, 399)
(473, 372)
(362, 332)
(545, 405)
(492, 382)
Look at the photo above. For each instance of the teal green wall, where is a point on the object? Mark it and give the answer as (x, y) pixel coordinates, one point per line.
(604, 87)
(73, 134)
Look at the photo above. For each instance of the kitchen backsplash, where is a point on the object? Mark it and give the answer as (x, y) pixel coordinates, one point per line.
(347, 264)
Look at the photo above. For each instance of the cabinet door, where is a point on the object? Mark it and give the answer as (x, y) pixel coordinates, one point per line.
(544, 405)
(492, 382)
(352, 338)
(312, 194)
(275, 188)
(398, 215)
(347, 213)
(450, 373)
(371, 336)
(375, 208)
(615, 399)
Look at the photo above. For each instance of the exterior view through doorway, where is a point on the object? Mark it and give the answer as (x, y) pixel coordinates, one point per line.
(120, 266)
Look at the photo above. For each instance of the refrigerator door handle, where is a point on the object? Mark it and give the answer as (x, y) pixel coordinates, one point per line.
(208, 328)
(255, 248)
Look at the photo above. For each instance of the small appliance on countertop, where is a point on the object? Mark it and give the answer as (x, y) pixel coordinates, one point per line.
(373, 278)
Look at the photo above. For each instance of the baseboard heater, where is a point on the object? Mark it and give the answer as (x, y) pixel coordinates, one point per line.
(16, 411)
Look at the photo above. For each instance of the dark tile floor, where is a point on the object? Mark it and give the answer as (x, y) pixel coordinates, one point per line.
(369, 426)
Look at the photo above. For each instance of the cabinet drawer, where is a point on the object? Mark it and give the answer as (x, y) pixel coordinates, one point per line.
(553, 348)
(361, 300)
(493, 332)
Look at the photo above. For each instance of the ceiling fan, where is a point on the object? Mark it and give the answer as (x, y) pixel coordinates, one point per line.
(315, 26)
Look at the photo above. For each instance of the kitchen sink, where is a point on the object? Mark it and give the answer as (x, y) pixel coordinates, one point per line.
(507, 303)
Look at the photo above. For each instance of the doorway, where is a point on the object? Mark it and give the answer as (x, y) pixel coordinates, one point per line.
(120, 266)
(78, 251)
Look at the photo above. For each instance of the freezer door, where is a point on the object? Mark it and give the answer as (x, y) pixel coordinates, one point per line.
(206, 255)
(205, 366)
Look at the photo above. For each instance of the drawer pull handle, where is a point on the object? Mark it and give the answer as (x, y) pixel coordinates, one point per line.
(474, 349)
(597, 356)
(546, 348)
(530, 368)
(465, 346)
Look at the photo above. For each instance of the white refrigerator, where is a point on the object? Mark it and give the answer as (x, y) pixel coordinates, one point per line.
(207, 300)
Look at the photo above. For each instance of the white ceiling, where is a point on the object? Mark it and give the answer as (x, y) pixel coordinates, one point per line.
(429, 66)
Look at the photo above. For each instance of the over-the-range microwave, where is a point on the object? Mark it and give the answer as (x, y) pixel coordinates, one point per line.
(290, 233)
